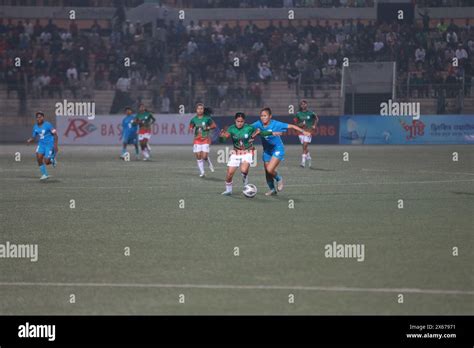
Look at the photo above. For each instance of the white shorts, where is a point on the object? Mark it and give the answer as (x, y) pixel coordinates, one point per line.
(305, 139)
(201, 148)
(144, 136)
(237, 160)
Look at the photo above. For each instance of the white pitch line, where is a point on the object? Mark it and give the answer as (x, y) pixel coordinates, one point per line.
(414, 172)
(380, 183)
(245, 287)
(436, 172)
(288, 185)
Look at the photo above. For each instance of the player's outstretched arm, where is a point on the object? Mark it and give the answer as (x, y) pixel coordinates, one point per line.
(32, 138)
(301, 130)
(223, 135)
(212, 126)
(265, 133)
(316, 121)
(255, 133)
(153, 119)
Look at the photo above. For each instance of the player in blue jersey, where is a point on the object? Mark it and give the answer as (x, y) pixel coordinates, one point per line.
(47, 148)
(129, 132)
(273, 149)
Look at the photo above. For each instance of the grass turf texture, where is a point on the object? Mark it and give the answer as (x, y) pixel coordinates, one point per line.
(190, 251)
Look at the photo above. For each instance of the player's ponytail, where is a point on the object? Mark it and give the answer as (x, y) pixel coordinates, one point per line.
(207, 111)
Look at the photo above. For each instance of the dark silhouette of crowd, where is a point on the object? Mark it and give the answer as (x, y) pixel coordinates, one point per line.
(230, 61)
(234, 63)
(48, 61)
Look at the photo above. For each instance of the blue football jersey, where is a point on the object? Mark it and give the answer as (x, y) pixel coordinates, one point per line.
(45, 132)
(128, 126)
(271, 141)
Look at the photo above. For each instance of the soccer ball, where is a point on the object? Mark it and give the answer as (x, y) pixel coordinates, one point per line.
(250, 191)
(125, 156)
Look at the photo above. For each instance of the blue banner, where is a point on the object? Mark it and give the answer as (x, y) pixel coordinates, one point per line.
(430, 129)
(327, 130)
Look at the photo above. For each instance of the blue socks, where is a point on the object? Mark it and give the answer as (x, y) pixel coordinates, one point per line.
(271, 185)
(43, 169)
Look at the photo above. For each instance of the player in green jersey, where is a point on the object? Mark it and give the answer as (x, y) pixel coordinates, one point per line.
(202, 125)
(144, 119)
(242, 155)
(307, 120)
(208, 112)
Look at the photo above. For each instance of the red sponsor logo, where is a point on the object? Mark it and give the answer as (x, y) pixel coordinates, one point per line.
(413, 129)
(79, 127)
(321, 131)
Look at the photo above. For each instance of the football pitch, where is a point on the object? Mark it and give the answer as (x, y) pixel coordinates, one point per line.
(153, 238)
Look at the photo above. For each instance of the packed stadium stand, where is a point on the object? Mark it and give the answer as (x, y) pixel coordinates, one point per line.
(230, 64)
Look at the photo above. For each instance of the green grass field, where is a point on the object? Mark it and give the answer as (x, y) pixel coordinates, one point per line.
(190, 251)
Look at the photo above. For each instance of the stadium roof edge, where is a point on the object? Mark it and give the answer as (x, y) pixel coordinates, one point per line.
(34, 12)
(149, 12)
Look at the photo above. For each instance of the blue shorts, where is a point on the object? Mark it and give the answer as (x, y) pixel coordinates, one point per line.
(47, 150)
(277, 152)
(130, 138)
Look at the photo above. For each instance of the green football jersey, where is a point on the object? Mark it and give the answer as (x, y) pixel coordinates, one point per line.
(145, 119)
(199, 125)
(242, 138)
(306, 119)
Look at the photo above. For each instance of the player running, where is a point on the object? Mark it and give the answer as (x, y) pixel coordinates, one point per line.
(242, 135)
(273, 149)
(47, 147)
(202, 124)
(208, 112)
(129, 132)
(145, 119)
(307, 120)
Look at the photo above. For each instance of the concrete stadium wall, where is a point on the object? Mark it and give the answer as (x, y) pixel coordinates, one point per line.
(14, 134)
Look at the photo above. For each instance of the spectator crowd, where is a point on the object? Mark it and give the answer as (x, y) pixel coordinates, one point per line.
(234, 61)
(238, 61)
